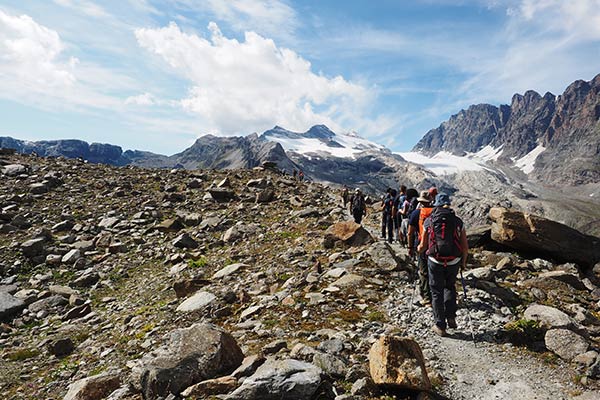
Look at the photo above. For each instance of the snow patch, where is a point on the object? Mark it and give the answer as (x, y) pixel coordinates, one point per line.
(488, 153)
(444, 163)
(526, 162)
(351, 144)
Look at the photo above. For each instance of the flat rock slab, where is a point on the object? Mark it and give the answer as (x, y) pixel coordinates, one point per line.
(349, 280)
(93, 388)
(197, 302)
(228, 270)
(280, 379)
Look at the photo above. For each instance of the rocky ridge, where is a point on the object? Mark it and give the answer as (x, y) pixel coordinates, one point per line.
(566, 127)
(116, 280)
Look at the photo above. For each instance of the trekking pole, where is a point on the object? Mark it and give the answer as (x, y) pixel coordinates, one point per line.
(412, 296)
(462, 281)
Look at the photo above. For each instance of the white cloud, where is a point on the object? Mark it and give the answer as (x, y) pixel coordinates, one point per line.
(86, 7)
(273, 18)
(246, 86)
(144, 99)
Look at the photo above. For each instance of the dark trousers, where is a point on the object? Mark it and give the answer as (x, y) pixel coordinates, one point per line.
(442, 282)
(384, 223)
(357, 216)
(390, 228)
(424, 277)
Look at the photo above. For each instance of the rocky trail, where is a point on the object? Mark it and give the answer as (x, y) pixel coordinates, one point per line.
(131, 283)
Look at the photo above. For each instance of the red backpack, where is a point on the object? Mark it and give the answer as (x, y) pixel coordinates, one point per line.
(444, 233)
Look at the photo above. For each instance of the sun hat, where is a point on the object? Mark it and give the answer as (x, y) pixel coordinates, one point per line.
(442, 199)
(424, 197)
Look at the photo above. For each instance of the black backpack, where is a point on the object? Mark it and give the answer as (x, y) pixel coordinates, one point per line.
(358, 203)
(444, 235)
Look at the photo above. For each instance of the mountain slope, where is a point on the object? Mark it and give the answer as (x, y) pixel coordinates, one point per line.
(535, 133)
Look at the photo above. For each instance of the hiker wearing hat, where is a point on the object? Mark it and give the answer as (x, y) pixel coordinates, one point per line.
(358, 207)
(445, 244)
(415, 236)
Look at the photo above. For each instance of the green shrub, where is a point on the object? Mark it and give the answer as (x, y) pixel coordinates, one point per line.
(199, 263)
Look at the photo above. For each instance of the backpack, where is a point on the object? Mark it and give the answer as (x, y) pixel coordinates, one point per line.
(444, 235)
(388, 204)
(412, 205)
(358, 203)
(423, 215)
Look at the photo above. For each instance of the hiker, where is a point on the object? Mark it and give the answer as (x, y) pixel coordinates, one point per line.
(433, 192)
(294, 173)
(358, 207)
(389, 211)
(385, 211)
(398, 202)
(445, 243)
(300, 176)
(415, 236)
(409, 205)
(345, 195)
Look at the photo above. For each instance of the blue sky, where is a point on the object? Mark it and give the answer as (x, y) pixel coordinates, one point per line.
(155, 75)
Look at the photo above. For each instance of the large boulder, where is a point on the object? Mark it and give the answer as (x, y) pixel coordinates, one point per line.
(191, 355)
(349, 233)
(93, 388)
(537, 235)
(566, 344)
(548, 317)
(398, 361)
(280, 379)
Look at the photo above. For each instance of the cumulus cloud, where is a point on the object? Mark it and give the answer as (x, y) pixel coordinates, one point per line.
(32, 57)
(144, 99)
(241, 86)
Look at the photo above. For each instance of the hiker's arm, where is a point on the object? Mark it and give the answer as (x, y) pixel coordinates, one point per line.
(464, 244)
(423, 244)
(411, 238)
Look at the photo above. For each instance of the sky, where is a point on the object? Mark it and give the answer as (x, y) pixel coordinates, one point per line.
(155, 75)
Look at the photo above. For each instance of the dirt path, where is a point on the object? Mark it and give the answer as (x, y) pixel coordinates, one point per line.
(482, 370)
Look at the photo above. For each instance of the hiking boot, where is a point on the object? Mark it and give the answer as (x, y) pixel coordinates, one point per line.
(438, 331)
(452, 323)
(426, 303)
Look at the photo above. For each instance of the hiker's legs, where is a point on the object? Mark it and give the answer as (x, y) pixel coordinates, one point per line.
(450, 291)
(358, 217)
(437, 284)
(384, 218)
(390, 228)
(424, 278)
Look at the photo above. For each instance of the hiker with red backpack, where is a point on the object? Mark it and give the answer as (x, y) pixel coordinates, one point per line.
(445, 244)
(416, 232)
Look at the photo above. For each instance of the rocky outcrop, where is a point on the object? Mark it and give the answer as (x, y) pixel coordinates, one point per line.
(536, 235)
(347, 233)
(93, 388)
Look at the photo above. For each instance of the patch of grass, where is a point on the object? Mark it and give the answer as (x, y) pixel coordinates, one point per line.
(374, 316)
(524, 331)
(22, 354)
(199, 263)
(143, 330)
(270, 323)
(350, 316)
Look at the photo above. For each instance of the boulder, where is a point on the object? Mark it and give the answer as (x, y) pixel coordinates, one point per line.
(185, 287)
(265, 196)
(221, 194)
(228, 270)
(565, 343)
(533, 234)
(479, 236)
(93, 388)
(60, 346)
(548, 317)
(349, 233)
(39, 188)
(398, 361)
(383, 256)
(239, 231)
(14, 169)
(189, 356)
(33, 247)
(9, 305)
(280, 379)
(170, 225)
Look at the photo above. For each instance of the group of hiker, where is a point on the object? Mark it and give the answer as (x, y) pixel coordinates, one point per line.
(435, 237)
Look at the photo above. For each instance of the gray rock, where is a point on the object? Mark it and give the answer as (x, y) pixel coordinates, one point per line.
(280, 379)
(77, 312)
(61, 346)
(47, 304)
(483, 273)
(185, 241)
(274, 347)
(9, 305)
(383, 256)
(64, 291)
(548, 317)
(38, 188)
(87, 279)
(249, 366)
(33, 247)
(14, 169)
(190, 355)
(197, 302)
(228, 270)
(330, 364)
(265, 196)
(108, 222)
(72, 256)
(565, 343)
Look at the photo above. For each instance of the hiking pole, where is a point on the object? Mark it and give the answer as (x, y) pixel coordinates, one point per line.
(412, 296)
(462, 281)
